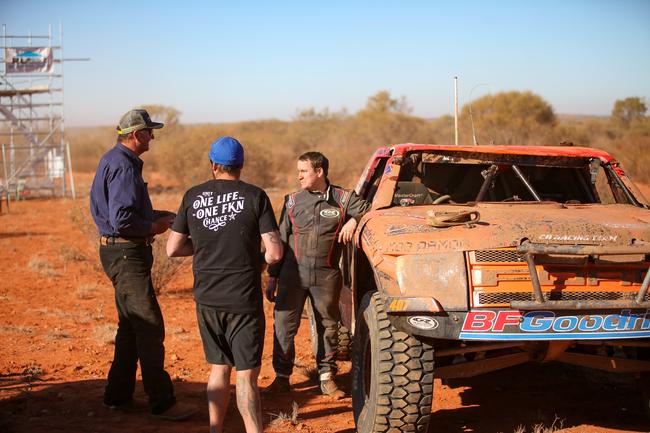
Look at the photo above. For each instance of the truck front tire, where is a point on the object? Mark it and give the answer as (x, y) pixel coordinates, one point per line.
(392, 374)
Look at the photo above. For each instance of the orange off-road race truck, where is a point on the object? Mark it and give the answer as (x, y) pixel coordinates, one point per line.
(478, 258)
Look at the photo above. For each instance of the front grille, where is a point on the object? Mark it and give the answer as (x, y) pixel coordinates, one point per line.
(507, 297)
(502, 256)
(501, 276)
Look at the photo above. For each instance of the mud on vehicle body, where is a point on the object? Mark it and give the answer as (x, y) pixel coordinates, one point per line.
(474, 259)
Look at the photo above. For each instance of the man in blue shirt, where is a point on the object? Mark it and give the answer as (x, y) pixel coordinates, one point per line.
(127, 223)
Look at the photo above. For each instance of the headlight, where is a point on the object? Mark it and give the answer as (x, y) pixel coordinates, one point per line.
(441, 276)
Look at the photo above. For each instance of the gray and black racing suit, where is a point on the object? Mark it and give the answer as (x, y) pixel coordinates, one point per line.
(309, 226)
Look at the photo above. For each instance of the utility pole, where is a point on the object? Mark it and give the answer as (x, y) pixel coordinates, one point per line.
(456, 110)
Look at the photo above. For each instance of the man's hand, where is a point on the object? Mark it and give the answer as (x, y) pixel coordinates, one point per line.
(347, 231)
(271, 287)
(162, 224)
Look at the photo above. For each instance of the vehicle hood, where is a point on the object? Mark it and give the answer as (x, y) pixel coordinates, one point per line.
(399, 231)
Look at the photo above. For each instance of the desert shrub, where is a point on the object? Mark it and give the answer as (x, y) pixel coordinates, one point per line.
(164, 267)
(509, 118)
(282, 419)
(42, 267)
(628, 110)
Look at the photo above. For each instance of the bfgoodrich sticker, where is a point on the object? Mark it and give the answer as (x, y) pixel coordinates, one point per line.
(546, 325)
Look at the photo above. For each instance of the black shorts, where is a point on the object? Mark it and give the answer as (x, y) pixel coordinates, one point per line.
(235, 339)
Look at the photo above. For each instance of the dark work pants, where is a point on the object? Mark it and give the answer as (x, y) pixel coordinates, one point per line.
(288, 310)
(140, 332)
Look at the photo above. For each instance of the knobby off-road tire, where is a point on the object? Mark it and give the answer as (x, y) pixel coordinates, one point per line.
(344, 347)
(392, 374)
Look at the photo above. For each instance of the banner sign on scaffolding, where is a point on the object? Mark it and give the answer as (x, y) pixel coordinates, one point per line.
(28, 59)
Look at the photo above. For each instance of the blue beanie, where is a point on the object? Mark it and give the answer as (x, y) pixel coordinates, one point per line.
(227, 151)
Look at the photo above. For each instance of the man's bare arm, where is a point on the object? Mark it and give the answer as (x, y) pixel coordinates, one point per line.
(179, 245)
(273, 246)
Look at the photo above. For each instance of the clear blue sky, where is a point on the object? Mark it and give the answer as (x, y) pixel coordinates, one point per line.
(221, 61)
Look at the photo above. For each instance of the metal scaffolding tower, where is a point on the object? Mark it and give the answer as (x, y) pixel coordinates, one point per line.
(32, 127)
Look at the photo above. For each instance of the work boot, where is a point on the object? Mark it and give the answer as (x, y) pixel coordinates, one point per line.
(178, 412)
(279, 385)
(329, 387)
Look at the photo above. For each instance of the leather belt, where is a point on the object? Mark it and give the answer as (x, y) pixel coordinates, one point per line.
(112, 240)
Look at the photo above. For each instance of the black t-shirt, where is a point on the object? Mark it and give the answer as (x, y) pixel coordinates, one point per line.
(225, 219)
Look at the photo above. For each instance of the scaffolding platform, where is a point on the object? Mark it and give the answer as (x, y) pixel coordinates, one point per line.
(32, 124)
(24, 91)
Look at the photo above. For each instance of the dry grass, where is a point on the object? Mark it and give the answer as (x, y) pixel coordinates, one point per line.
(52, 312)
(71, 254)
(556, 425)
(105, 334)
(310, 372)
(176, 330)
(57, 334)
(164, 267)
(281, 419)
(32, 373)
(98, 314)
(178, 333)
(86, 291)
(42, 267)
(15, 329)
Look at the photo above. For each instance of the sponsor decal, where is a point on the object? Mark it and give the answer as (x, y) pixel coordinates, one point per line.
(330, 213)
(426, 246)
(215, 211)
(578, 238)
(547, 325)
(423, 322)
(28, 59)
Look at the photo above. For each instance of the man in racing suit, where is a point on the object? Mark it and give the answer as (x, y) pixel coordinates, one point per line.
(314, 222)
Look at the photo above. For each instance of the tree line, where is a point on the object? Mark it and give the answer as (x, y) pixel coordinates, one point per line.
(506, 118)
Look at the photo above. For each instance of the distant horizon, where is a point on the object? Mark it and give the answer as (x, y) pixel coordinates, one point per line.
(271, 119)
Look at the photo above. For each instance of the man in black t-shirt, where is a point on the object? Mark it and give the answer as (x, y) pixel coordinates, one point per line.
(222, 224)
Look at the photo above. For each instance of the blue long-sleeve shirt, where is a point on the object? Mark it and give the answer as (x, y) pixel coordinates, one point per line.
(119, 200)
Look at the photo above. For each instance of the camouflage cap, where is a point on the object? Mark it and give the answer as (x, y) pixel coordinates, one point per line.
(135, 120)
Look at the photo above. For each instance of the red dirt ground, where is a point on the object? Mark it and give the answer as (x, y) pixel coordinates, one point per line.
(58, 315)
